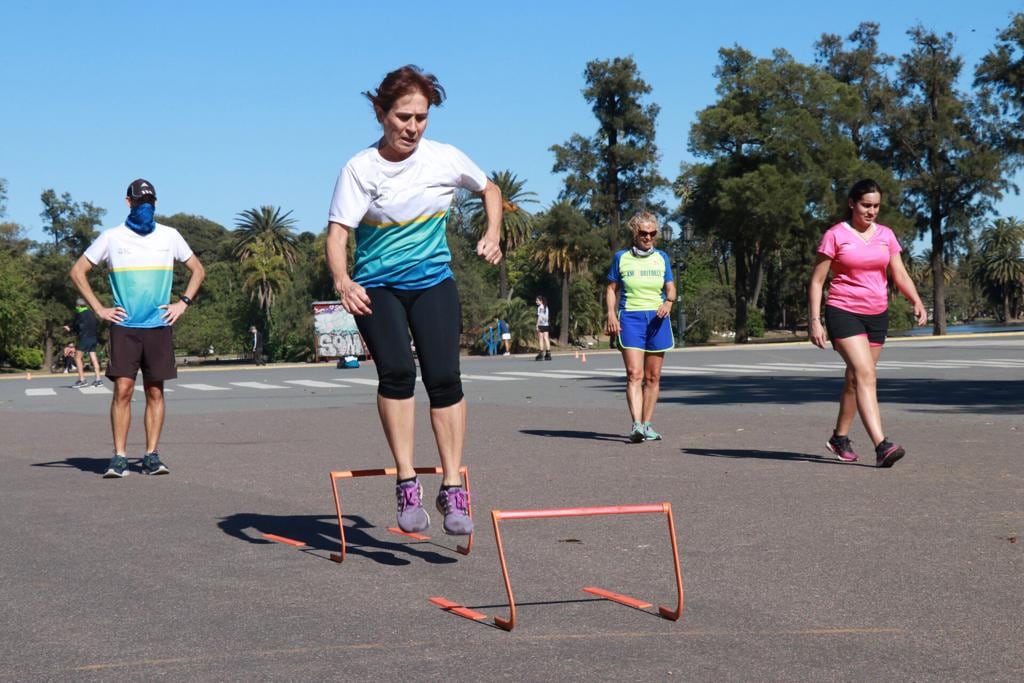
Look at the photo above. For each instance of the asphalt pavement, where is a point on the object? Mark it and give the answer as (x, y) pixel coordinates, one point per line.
(796, 566)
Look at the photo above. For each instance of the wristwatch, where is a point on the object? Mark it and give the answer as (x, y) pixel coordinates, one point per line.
(187, 300)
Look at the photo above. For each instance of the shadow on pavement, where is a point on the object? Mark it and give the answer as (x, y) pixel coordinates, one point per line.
(931, 395)
(770, 455)
(83, 464)
(321, 533)
(574, 434)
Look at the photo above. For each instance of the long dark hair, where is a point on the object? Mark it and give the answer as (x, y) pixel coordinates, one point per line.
(859, 189)
(543, 300)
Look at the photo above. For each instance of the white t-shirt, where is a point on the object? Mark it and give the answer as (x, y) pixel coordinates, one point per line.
(141, 270)
(400, 212)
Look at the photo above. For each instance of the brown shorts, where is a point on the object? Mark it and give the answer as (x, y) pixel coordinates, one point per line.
(151, 349)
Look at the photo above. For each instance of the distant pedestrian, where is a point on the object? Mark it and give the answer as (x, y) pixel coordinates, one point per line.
(543, 329)
(639, 298)
(67, 358)
(861, 254)
(84, 326)
(396, 196)
(257, 346)
(141, 254)
(505, 334)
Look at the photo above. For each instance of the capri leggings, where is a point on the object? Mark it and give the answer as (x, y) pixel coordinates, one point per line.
(433, 316)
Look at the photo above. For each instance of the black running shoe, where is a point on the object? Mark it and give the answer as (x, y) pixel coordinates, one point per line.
(117, 468)
(151, 464)
(887, 453)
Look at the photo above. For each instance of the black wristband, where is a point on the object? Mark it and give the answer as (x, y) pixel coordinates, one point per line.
(187, 300)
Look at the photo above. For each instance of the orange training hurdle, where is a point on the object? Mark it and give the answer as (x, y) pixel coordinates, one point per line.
(392, 471)
(498, 515)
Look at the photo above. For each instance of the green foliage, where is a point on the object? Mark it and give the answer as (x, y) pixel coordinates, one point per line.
(755, 322)
(521, 320)
(1000, 265)
(72, 224)
(516, 221)
(220, 316)
(209, 241)
(269, 227)
(586, 307)
(1000, 75)
(20, 313)
(901, 314)
(613, 173)
(26, 358)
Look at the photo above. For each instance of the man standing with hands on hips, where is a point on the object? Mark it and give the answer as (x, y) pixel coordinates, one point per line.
(141, 255)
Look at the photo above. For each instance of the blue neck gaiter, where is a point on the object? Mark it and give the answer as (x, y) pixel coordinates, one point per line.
(140, 220)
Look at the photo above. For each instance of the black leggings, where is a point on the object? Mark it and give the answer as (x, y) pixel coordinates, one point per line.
(433, 316)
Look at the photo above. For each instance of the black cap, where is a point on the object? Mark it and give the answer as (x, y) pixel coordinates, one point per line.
(139, 189)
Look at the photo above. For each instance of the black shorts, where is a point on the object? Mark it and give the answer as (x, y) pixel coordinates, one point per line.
(148, 349)
(842, 324)
(87, 345)
(543, 328)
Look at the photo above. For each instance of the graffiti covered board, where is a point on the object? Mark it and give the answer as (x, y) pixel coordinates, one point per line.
(335, 329)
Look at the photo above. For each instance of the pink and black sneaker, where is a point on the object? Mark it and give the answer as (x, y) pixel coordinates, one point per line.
(841, 447)
(887, 453)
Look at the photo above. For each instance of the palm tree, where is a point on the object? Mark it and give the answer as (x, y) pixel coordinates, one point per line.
(516, 222)
(1001, 268)
(265, 273)
(567, 244)
(266, 223)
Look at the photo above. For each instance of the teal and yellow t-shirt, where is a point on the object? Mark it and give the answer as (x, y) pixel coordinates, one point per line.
(641, 279)
(141, 270)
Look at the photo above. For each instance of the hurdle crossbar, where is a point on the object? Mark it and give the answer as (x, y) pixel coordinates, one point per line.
(392, 471)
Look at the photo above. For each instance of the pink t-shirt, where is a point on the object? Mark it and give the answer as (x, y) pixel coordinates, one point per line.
(859, 281)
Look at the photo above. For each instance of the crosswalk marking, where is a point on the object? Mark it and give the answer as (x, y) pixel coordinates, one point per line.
(94, 390)
(40, 392)
(317, 384)
(203, 387)
(358, 380)
(256, 385)
(138, 387)
(743, 368)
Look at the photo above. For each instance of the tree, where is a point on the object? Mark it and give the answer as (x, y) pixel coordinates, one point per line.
(516, 222)
(1000, 75)
(613, 173)
(264, 272)
(1001, 265)
(208, 239)
(948, 159)
(776, 158)
(267, 225)
(72, 224)
(20, 314)
(566, 246)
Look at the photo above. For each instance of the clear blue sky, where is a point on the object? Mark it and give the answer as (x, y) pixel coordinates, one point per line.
(227, 105)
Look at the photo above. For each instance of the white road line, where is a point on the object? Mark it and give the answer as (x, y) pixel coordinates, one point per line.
(256, 385)
(357, 380)
(139, 387)
(993, 363)
(492, 378)
(40, 392)
(94, 390)
(203, 387)
(794, 367)
(315, 383)
(738, 368)
(685, 370)
(543, 375)
(897, 365)
(603, 373)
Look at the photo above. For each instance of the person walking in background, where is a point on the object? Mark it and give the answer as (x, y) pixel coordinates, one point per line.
(859, 253)
(141, 254)
(543, 329)
(396, 195)
(639, 298)
(505, 334)
(257, 346)
(85, 327)
(67, 359)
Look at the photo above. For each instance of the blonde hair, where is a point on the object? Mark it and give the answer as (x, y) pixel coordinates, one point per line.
(640, 219)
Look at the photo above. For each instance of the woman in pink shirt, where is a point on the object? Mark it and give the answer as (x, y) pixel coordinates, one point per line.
(859, 251)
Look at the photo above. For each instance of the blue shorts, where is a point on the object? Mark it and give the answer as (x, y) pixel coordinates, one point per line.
(645, 331)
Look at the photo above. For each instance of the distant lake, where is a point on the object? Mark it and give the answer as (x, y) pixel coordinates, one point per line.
(972, 328)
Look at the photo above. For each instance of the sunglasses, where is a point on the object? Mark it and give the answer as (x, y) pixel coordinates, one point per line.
(644, 233)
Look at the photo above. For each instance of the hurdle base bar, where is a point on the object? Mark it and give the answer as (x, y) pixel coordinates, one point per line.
(392, 471)
(456, 608)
